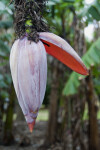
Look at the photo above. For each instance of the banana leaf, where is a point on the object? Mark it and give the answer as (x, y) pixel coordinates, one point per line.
(91, 57)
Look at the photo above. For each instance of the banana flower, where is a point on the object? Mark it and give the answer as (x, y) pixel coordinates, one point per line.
(28, 63)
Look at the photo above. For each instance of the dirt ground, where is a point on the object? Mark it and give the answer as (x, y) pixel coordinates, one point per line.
(30, 141)
(24, 140)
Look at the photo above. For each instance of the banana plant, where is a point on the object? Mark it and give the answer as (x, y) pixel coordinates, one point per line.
(91, 58)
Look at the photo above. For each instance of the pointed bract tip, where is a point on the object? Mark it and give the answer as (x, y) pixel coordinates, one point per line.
(86, 72)
(31, 126)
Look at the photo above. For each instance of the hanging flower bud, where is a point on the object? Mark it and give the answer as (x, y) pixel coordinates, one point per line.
(28, 65)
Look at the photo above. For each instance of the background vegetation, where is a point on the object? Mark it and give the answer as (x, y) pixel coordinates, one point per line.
(71, 106)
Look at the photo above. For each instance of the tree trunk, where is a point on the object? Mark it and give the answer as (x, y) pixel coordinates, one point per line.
(78, 100)
(93, 123)
(52, 123)
(8, 136)
(1, 119)
(67, 136)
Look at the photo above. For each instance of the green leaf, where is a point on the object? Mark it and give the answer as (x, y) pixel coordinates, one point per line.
(6, 24)
(5, 9)
(92, 57)
(94, 12)
(4, 63)
(9, 10)
(70, 1)
(4, 47)
(2, 54)
(3, 84)
(1, 77)
(4, 94)
(2, 6)
(8, 79)
(6, 37)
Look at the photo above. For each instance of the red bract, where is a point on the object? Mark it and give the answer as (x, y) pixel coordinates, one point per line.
(60, 49)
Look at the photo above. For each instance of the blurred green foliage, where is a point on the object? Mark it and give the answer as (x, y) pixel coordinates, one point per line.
(6, 37)
(91, 58)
